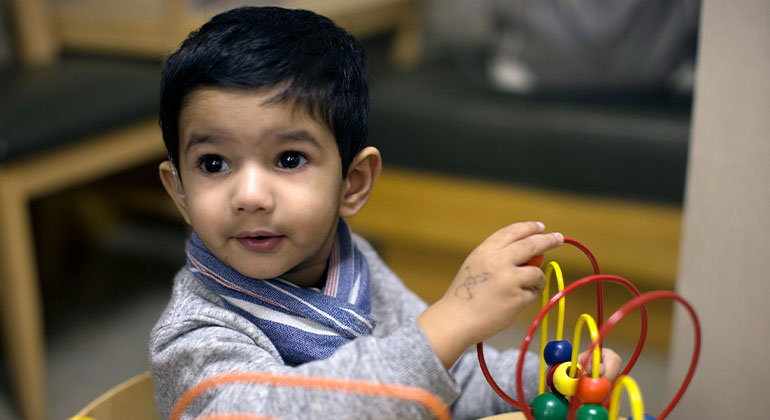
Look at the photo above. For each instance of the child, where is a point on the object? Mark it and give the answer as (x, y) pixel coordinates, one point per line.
(265, 112)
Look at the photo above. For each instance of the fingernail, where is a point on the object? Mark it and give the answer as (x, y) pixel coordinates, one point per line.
(560, 237)
(542, 226)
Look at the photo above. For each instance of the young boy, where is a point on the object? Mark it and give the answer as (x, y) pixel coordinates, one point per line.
(265, 113)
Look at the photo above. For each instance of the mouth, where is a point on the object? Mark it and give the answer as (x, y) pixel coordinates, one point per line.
(259, 242)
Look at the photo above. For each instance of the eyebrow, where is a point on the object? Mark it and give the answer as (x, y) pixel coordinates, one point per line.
(286, 136)
(298, 135)
(197, 139)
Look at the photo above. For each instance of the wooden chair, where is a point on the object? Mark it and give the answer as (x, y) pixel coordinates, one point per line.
(63, 122)
(131, 400)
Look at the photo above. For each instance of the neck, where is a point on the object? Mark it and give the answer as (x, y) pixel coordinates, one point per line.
(310, 276)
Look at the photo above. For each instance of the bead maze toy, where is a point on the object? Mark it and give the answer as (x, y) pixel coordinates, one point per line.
(573, 393)
(566, 391)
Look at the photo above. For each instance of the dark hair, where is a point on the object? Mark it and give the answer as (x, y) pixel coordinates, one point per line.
(322, 66)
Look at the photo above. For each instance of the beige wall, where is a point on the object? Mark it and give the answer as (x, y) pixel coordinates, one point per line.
(726, 231)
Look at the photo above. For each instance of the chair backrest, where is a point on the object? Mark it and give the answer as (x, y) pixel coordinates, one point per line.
(131, 400)
(5, 37)
(35, 40)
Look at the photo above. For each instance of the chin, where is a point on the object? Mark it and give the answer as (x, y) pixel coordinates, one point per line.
(260, 274)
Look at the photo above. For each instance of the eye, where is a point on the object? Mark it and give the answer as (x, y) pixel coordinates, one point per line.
(212, 164)
(291, 160)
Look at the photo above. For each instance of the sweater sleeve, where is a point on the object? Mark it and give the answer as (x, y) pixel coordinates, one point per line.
(196, 341)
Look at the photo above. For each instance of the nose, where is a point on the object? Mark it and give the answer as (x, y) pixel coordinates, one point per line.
(252, 191)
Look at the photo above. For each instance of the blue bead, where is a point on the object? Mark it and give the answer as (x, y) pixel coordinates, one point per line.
(646, 417)
(556, 352)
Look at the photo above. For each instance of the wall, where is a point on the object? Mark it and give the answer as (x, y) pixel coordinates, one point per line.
(726, 229)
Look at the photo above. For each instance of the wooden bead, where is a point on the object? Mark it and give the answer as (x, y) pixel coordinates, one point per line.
(593, 390)
(548, 406)
(535, 261)
(556, 352)
(592, 412)
(549, 377)
(565, 383)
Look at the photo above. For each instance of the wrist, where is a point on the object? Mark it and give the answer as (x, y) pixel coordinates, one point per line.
(446, 334)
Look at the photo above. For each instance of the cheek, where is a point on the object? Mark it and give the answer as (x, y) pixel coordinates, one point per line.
(203, 206)
(318, 202)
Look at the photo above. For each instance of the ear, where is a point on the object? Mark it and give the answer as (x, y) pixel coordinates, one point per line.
(362, 174)
(173, 185)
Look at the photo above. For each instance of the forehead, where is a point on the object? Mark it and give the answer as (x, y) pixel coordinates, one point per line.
(246, 114)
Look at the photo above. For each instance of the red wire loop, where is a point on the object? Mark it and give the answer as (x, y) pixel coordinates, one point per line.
(636, 303)
(599, 291)
(554, 300)
(639, 302)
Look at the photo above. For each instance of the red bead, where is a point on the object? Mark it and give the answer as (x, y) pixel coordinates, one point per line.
(549, 377)
(536, 261)
(592, 412)
(556, 352)
(549, 406)
(593, 390)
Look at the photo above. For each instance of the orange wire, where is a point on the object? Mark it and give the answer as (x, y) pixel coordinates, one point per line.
(403, 392)
(235, 416)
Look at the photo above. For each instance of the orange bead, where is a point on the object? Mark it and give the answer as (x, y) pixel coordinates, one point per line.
(536, 261)
(593, 390)
(566, 384)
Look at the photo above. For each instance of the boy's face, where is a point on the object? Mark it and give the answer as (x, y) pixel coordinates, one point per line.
(261, 183)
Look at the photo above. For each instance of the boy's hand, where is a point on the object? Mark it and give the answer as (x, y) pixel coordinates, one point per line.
(610, 364)
(491, 288)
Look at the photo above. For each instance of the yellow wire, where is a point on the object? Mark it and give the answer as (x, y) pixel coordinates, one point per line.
(553, 267)
(597, 353)
(634, 396)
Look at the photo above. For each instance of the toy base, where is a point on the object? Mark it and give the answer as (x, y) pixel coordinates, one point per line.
(518, 415)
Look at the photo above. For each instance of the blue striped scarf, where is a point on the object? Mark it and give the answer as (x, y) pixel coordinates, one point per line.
(304, 324)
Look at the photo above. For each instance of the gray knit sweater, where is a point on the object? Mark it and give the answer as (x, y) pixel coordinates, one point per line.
(197, 337)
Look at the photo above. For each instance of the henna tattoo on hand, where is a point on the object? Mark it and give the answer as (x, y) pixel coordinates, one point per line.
(464, 290)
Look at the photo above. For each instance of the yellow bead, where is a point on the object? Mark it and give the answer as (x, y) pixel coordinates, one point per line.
(564, 383)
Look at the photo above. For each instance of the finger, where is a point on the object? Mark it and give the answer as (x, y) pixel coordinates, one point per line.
(513, 233)
(523, 250)
(532, 278)
(611, 363)
(587, 362)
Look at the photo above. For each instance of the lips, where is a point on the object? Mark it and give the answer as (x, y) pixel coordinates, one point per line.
(260, 242)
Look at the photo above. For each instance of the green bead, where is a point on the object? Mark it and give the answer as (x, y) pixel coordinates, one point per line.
(592, 412)
(548, 406)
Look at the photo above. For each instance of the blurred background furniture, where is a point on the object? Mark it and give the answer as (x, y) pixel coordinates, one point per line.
(64, 121)
(154, 28)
